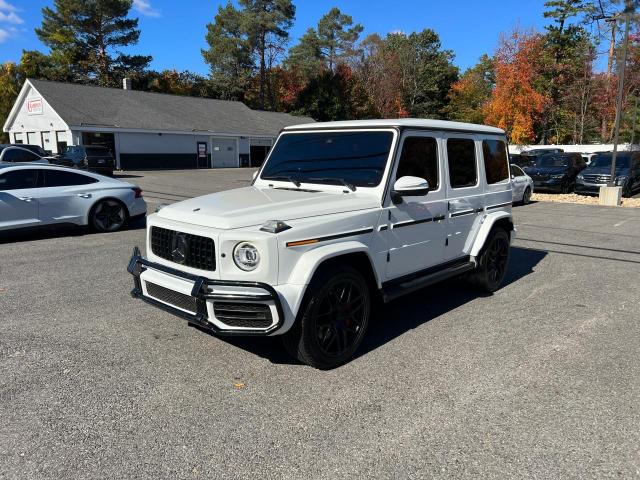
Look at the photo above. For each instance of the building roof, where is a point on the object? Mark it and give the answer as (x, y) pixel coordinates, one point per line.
(402, 122)
(91, 106)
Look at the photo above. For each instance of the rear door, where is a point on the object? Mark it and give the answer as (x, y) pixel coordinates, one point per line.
(415, 228)
(18, 198)
(65, 197)
(518, 182)
(465, 193)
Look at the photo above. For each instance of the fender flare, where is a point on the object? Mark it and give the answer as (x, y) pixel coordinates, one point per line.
(489, 221)
(309, 262)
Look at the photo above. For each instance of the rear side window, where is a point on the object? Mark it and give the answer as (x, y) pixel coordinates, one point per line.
(19, 179)
(496, 161)
(463, 171)
(516, 171)
(19, 155)
(59, 178)
(419, 158)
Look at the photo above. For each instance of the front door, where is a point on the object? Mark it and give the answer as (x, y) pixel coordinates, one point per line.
(465, 194)
(63, 197)
(18, 198)
(415, 228)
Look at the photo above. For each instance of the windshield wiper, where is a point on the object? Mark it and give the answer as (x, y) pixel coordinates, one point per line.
(291, 179)
(350, 186)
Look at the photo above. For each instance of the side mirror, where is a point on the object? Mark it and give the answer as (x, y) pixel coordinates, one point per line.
(409, 187)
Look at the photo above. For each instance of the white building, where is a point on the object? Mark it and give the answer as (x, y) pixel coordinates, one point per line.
(143, 129)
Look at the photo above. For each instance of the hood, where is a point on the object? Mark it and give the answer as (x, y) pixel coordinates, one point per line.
(248, 206)
(545, 170)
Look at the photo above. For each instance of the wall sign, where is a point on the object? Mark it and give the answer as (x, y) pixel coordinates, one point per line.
(34, 106)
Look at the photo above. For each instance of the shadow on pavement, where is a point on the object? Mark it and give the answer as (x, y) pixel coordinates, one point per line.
(406, 313)
(58, 231)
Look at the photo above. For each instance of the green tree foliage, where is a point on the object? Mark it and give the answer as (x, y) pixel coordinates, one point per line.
(426, 72)
(332, 43)
(10, 84)
(85, 36)
(243, 40)
(469, 95)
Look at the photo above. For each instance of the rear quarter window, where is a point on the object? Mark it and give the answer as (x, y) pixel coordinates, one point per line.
(461, 154)
(496, 161)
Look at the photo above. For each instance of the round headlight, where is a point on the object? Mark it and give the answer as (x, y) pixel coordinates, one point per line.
(246, 256)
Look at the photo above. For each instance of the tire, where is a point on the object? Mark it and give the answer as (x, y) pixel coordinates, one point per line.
(332, 319)
(526, 196)
(492, 262)
(108, 215)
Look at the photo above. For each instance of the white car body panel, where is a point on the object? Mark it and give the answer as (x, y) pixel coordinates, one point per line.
(520, 184)
(68, 204)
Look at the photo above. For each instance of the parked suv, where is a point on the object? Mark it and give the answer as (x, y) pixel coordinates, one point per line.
(598, 173)
(94, 158)
(556, 172)
(340, 215)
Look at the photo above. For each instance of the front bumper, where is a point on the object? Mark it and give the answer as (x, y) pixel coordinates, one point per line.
(204, 295)
(552, 185)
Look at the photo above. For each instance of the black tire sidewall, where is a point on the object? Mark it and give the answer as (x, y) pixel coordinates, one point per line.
(92, 216)
(304, 331)
(482, 277)
(526, 199)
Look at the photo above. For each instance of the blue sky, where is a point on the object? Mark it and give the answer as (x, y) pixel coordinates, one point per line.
(173, 31)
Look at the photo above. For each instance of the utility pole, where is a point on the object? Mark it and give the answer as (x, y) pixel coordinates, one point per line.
(628, 10)
(635, 119)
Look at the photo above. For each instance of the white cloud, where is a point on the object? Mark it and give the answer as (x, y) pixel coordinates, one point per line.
(7, 7)
(10, 17)
(4, 34)
(143, 7)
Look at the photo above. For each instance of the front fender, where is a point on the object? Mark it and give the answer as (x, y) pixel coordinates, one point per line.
(488, 223)
(309, 261)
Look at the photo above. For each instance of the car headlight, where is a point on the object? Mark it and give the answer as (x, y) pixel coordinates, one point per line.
(246, 256)
(620, 180)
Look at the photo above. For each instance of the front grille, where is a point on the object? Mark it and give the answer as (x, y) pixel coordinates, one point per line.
(540, 178)
(199, 252)
(595, 178)
(250, 315)
(177, 299)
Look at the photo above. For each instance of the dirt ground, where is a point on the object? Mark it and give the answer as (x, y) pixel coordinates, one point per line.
(581, 199)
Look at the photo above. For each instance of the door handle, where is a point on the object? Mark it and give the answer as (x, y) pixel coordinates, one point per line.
(83, 195)
(26, 199)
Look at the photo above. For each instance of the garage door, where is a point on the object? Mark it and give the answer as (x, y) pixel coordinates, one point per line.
(224, 153)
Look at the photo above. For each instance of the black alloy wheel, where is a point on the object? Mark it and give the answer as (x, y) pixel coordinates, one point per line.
(526, 196)
(108, 216)
(492, 262)
(332, 320)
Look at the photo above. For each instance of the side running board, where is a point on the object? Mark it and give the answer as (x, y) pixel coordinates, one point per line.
(395, 289)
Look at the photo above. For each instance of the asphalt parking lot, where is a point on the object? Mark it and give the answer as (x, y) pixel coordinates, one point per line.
(540, 380)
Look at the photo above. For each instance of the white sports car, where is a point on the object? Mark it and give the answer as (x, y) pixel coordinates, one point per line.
(33, 195)
(522, 185)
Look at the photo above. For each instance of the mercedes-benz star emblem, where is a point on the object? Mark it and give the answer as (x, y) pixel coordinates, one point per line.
(179, 248)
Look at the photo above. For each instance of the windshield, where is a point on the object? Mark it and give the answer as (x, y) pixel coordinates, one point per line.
(604, 160)
(355, 158)
(551, 161)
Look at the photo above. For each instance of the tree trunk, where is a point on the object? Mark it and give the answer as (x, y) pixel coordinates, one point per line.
(263, 69)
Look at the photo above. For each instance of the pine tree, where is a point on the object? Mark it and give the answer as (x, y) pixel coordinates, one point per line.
(86, 35)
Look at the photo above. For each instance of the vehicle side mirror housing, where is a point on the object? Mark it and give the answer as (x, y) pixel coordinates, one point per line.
(409, 187)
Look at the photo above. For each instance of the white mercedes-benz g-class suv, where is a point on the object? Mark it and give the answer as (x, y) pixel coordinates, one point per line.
(341, 215)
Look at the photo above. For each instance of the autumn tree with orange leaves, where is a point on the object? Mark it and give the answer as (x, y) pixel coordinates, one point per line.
(516, 105)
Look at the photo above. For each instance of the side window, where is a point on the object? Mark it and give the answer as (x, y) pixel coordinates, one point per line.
(12, 155)
(27, 156)
(463, 171)
(516, 171)
(496, 161)
(19, 179)
(419, 158)
(59, 178)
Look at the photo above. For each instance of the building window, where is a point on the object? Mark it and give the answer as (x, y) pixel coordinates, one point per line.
(61, 141)
(17, 138)
(32, 138)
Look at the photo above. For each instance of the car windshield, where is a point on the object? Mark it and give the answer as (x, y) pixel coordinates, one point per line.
(340, 158)
(604, 160)
(551, 161)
